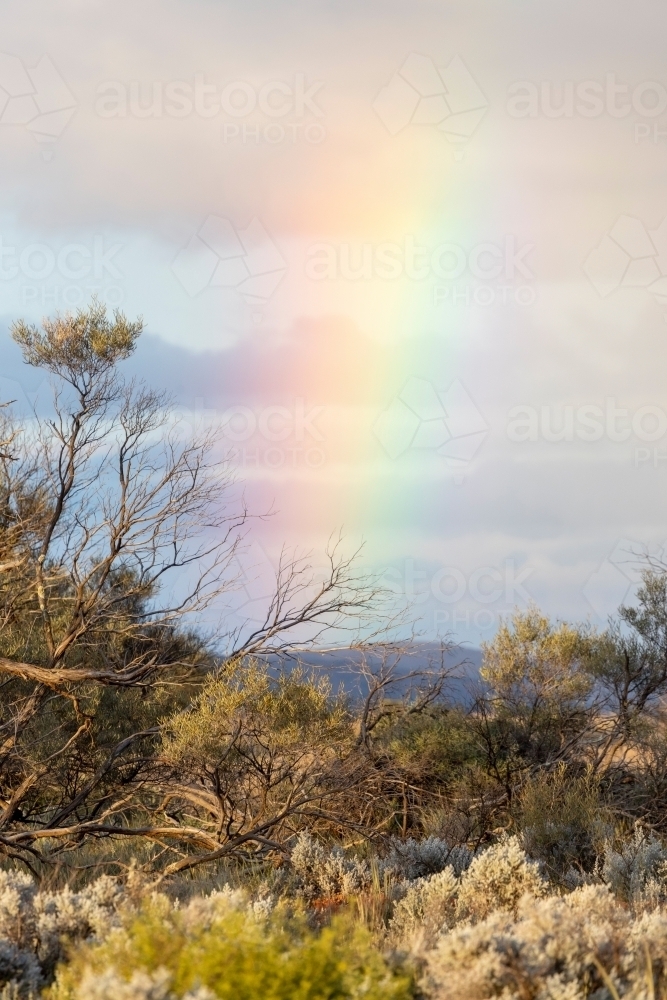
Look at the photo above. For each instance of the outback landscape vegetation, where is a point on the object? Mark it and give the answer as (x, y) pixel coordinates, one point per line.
(189, 808)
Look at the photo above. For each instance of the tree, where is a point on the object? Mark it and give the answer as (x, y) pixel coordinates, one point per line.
(536, 676)
(630, 662)
(535, 709)
(117, 535)
(252, 756)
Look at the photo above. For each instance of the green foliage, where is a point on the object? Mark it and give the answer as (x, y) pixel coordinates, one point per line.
(630, 659)
(539, 695)
(245, 708)
(436, 747)
(80, 345)
(532, 665)
(237, 956)
(563, 820)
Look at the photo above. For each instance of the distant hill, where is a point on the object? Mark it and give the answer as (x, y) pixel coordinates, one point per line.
(340, 667)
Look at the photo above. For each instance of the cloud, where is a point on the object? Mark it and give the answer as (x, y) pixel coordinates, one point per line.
(150, 181)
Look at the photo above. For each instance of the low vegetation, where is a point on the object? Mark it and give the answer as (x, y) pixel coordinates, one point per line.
(192, 813)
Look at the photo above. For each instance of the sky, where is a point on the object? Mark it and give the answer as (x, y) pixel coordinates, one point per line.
(411, 256)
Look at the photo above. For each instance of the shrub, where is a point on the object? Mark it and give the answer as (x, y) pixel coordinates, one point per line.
(140, 986)
(323, 873)
(553, 949)
(415, 859)
(427, 906)
(497, 879)
(219, 949)
(563, 821)
(636, 873)
(37, 927)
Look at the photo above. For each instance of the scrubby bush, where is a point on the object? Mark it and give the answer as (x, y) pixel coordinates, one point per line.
(321, 873)
(415, 859)
(553, 948)
(218, 948)
(429, 905)
(564, 822)
(497, 879)
(494, 928)
(36, 927)
(637, 872)
(317, 873)
(19, 970)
